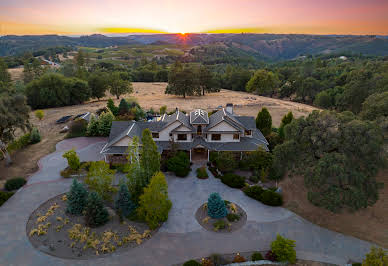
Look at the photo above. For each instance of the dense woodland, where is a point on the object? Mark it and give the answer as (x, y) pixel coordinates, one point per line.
(338, 151)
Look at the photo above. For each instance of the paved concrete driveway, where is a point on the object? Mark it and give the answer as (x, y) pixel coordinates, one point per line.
(181, 237)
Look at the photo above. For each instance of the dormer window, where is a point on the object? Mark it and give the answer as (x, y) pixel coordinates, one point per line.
(248, 132)
(155, 135)
(236, 136)
(182, 136)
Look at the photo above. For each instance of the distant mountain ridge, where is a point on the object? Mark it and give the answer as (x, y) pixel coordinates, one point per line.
(272, 46)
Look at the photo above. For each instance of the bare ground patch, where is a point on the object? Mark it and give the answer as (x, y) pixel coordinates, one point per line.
(370, 224)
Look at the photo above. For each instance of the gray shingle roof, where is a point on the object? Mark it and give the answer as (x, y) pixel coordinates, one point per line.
(247, 121)
(199, 117)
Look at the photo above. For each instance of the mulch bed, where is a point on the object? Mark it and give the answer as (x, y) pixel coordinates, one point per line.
(54, 239)
(207, 222)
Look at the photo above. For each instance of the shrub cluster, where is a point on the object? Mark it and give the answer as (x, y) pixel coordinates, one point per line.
(4, 196)
(179, 164)
(233, 180)
(100, 126)
(35, 136)
(14, 183)
(191, 263)
(219, 225)
(232, 217)
(72, 159)
(256, 256)
(284, 249)
(201, 173)
(267, 197)
(77, 129)
(226, 162)
(20, 143)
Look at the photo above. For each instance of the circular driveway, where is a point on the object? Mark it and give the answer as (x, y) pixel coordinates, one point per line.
(181, 237)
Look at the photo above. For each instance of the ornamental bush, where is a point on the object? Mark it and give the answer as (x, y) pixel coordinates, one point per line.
(72, 159)
(284, 249)
(76, 198)
(376, 256)
(179, 164)
(271, 198)
(201, 173)
(77, 129)
(216, 206)
(192, 263)
(233, 180)
(226, 162)
(95, 212)
(256, 256)
(124, 204)
(35, 136)
(14, 183)
(100, 179)
(254, 192)
(39, 114)
(4, 196)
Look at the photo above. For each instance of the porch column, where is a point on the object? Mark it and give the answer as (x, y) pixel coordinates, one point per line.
(240, 155)
(208, 155)
(105, 157)
(190, 155)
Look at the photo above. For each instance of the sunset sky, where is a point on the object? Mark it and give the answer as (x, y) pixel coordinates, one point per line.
(183, 16)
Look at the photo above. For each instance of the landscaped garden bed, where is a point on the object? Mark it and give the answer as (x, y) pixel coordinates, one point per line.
(230, 219)
(54, 231)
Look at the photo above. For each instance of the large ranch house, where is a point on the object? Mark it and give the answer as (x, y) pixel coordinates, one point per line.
(196, 133)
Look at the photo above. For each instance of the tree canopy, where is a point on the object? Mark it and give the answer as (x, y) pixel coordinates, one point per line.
(263, 82)
(337, 154)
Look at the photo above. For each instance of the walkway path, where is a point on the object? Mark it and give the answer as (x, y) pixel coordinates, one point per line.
(181, 237)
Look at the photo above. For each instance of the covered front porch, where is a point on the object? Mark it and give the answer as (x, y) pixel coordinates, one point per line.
(199, 153)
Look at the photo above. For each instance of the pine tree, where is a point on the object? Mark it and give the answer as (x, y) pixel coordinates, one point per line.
(95, 212)
(123, 107)
(154, 203)
(124, 203)
(105, 123)
(76, 198)
(264, 121)
(150, 157)
(112, 107)
(216, 206)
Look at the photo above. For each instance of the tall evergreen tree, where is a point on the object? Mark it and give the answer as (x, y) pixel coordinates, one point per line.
(285, 121)
(150, 157)
(76, 198)
(135, 176)
(124, 203)
(154, 203)
(95, 212)
(123, 107)
(264, 121)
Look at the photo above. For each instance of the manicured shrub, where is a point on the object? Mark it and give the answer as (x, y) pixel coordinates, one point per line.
(72, 159)
(216, 206)
(154, 203)
(238, 258)
(232, 217)
(376, 256)
(219, 225)
(226, 162)
(19, 143)
(95, 212)
(201, 173)
(254, 192)
(112, 107)
(191, 263)
(233, 180)
(179, 164)
(76, 198)
(4, 196)
(35, 136)
(256, 256)
(284, 249)
(271, 198)
(124, 204)
(14, 183)
(77, 129)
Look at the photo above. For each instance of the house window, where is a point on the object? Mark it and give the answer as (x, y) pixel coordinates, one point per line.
(182, 136)
(155, 135)
(236, 136)
(216, 136)
(248, 132)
